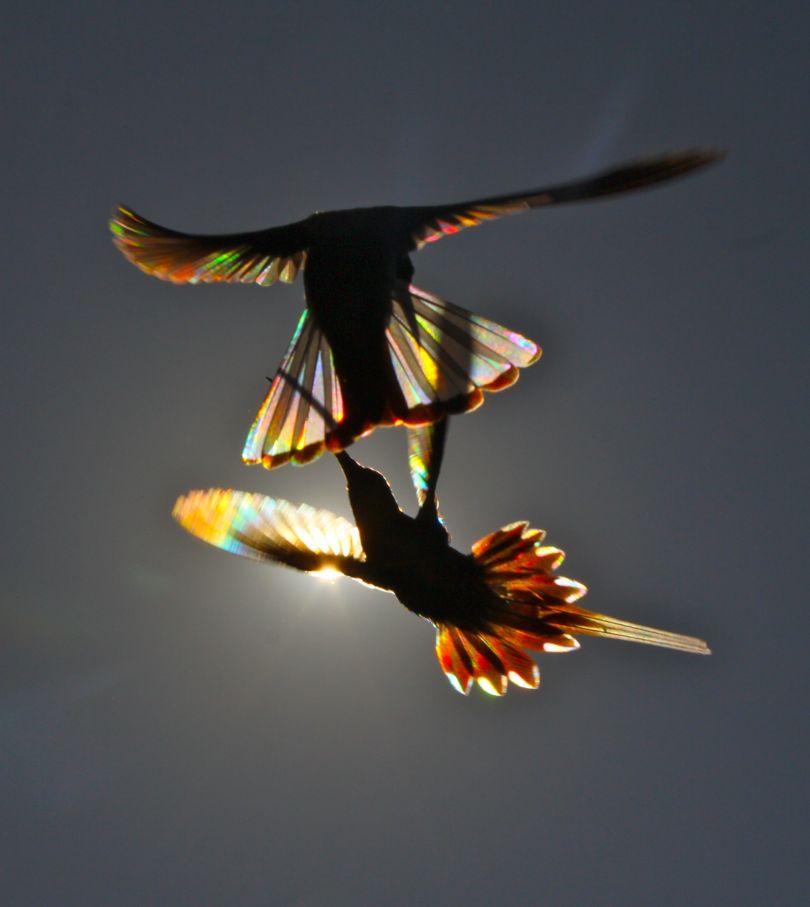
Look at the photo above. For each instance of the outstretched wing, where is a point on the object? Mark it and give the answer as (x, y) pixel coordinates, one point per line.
(303, 405)
(445, 357)
(261, 257)
(267, 529)
(429, 223)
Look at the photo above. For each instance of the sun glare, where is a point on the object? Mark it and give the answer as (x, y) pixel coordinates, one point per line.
(327, 574)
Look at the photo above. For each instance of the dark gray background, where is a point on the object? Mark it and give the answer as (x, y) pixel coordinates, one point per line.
(182, 727)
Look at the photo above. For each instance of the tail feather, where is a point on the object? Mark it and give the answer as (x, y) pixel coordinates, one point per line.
(438, 360)
(576, 620)
(488, 659)
(453, 658)
(519, 667)
(488, 669)
(534, 634)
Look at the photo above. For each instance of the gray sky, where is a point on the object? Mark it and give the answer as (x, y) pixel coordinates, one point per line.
(181, 727)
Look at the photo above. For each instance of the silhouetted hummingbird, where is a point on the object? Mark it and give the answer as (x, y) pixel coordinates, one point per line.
(490, 607)
(371, 348)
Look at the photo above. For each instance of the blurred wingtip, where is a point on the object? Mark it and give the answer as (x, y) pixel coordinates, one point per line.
(703, 157)
(677, 163)
(114, 223)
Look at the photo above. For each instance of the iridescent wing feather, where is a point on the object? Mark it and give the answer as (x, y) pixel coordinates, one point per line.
(268, 529)
(429, 223)
(260, 257)
(422, 461)
(425, 455)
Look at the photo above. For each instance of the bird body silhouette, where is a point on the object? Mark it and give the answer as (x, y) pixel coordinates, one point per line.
(370, 348)
(490, 608)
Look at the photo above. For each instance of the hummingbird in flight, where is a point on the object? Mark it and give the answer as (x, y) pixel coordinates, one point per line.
(370, 348)
(490, 608)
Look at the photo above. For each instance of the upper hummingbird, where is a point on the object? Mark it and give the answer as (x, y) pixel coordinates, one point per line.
(370, 348)
(489, 607)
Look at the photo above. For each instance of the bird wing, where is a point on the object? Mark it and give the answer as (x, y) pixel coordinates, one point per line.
(268, 529)
(261, 257)
(425, 454)
(303, 405)
(429, 223)
(444, 357)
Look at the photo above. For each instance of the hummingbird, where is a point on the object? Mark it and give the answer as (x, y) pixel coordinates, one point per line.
(490, 608)
(370, 347)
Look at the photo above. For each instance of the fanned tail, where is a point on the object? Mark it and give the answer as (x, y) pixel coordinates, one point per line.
(303, 408)
(534, 611)
(521, 572)
(445, 357)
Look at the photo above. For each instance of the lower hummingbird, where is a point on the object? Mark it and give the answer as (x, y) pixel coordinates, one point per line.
(490, 607)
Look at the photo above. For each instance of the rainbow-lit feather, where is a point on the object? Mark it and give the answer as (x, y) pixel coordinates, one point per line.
(303, 407)
(445, 357)
(420, 460)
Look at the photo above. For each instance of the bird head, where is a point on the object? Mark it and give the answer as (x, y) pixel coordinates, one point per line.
(373, 503)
